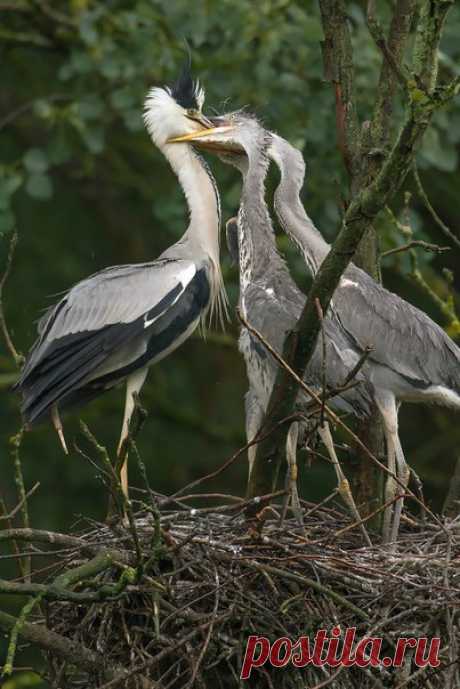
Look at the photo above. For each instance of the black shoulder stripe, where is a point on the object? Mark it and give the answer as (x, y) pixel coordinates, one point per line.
(169, 327)
(164, 303)
(63, 365)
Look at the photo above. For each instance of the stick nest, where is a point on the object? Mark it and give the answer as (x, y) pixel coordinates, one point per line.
(180, 616)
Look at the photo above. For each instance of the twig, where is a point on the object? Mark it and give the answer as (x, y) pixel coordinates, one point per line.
(126, 502)
(338, 69)
(336, 419)
(306, 581)
(360, 363)
(392, 50)
(68, 649)
(18, 358)
(423, 195)
(19, 624)
(21, 503)
(330, 679)
(15, 442)
(25, 107)
(208, 634)
(451, 505)
(48, 537)
(426, 246)
(257, 439)
(323, 360)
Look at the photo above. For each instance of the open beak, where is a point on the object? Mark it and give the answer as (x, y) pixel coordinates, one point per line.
(211, 133)
(216, 138)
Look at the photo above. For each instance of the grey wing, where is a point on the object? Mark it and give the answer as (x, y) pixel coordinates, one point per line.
(96, 317)
(115, 295)
(403, 338)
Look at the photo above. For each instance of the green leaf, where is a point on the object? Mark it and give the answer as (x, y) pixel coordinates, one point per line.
(35, 160)
(81, 62)
(88, 31)
(59, 150)
(133, 120)
(94, 139)
(90, 108)
(122, 98)
(110, 68)
(313, 30)
(43, 109)
(6, 221)
(39, 187)
(8, 185)
(437, 153)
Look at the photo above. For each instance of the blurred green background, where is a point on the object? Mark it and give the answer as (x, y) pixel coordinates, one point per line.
(85, 188)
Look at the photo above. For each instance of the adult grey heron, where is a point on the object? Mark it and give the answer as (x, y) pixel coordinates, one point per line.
(113, 325)
(412, 359)
(269, 297)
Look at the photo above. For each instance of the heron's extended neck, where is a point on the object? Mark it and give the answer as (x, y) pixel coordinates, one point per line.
(258, 252)
(289, 209)
(202, 235)
(201, 195)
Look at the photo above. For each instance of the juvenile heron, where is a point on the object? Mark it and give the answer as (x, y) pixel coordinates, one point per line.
(269, 297)
(412, 358)
(113, 325)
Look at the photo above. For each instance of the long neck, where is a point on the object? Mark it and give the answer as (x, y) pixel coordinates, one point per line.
(202, 198)
(257, 246)
(288, 207)
(202, 234)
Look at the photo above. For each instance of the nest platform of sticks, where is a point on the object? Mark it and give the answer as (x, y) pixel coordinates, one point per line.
(170, 601)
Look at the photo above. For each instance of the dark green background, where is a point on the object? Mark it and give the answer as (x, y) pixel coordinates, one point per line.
(85, 188)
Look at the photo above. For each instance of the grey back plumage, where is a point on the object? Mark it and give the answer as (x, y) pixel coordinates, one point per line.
(270, 298)
(405, 341)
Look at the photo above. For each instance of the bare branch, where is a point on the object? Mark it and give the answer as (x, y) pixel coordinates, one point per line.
(451, 505)
(15, 510)
(338, 68)
(426, 246)
(423, 195)
(48, 640)
(18, 358)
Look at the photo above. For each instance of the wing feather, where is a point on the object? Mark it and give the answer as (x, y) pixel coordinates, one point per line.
(114, 296)
(403, 337)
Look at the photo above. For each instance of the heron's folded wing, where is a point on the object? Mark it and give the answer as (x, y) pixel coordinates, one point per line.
(117, 296)
(403, 338)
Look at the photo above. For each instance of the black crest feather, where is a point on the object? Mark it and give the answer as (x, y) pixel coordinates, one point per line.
(184, 90)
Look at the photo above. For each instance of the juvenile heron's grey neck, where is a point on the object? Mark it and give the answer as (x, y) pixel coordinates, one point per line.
(288, 207)
(258, 253)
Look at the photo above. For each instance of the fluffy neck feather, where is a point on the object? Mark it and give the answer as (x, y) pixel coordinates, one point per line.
(257, 248)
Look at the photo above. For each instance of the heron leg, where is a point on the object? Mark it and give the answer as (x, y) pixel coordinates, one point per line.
(343, 484)
(56, 419)
(254, 418)
(403, 473)
(133, 386)
(389, 413)
(292, 494)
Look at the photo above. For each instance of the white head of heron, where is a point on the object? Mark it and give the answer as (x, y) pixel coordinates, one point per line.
(173, 110)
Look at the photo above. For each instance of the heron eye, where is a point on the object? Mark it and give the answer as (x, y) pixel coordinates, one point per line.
(193, 114)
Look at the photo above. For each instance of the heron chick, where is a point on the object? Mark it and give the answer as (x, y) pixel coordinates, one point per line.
(269, 298)
(412, 359)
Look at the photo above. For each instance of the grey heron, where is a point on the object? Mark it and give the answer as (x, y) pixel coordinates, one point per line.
(412, 358)
(269, 298)
(112, 326)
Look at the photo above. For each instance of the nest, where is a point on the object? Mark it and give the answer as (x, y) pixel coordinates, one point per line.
(175, 608)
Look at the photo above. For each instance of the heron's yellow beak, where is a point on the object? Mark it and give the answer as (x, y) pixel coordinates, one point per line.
(201, 134)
